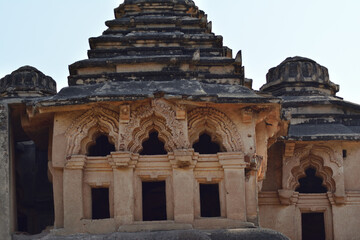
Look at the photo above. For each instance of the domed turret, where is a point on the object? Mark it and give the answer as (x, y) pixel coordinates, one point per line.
(27, 81)
(298, 76)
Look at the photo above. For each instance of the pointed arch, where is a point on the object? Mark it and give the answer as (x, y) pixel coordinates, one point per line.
(84, 129)
(215, 123)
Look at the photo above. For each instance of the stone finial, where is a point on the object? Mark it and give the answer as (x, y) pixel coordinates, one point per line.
(299, 76)
(27, 81)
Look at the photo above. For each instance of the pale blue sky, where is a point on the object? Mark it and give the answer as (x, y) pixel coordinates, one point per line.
(50, 34)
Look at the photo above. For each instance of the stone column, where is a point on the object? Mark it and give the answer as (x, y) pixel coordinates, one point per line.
(252, 198)
(5, 173)
(73, 194)
(123, 164)
(183, 185)
(58, 191)
(234, 178)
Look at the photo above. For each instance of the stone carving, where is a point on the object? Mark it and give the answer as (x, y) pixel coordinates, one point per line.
(84, 129)
(301, 152)
(220, 127)
(159, 116)
(327, 162)
(321, 171)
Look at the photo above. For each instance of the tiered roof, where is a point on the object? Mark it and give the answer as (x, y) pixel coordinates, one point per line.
(158, 48)
(158, 41)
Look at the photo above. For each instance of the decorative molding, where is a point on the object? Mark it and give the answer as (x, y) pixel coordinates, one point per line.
(218, 125)
(327, 162)
(76, 162)
(94, 121)
(321, 171)
(289, 149)
(123, 160)
(247, 115)
(125, 113)
(183, 158)
(158, 116)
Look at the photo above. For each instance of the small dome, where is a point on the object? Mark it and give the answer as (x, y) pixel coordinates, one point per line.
(27, 81)
(299, 76)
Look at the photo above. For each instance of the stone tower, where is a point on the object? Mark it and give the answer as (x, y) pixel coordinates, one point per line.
(160, 130)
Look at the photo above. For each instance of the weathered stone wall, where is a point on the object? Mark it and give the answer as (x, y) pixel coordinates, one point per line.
(5, 207)
(279, 218)
(352, 166)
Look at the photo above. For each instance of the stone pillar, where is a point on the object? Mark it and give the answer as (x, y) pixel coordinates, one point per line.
(73, 194)
(183, 185)
(5, 173)
(123, 168)
(252, 198)
(234, 178)
(58, 190)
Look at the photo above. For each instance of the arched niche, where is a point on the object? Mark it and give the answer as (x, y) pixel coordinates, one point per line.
(153, 145)
(215, 123)
(207, 145)
(326, 160)
(84, 129)
(311, 183)
(160, 116)
(147, 126)
(321, 171)
(100, 147)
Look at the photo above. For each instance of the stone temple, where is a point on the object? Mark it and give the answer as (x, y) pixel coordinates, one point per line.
(160, 130)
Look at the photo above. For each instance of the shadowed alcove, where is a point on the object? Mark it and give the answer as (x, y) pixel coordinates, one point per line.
(311, 183)
(153, 145)
(101, 148)
(205, 145)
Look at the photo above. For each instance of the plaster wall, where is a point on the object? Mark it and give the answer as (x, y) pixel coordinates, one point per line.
(352, 166)
(279, 218)
(346, 222)
(5, 190)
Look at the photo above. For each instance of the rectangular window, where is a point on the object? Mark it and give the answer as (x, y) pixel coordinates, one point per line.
(210, 200)
(154, 201)
(313, 226)
(100, 203)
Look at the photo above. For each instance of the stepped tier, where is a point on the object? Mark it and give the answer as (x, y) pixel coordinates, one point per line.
(158, 41)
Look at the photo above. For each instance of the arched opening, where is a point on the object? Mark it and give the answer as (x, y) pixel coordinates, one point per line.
(153, 145)
(311, 183)
(205, 145)
(101, 148)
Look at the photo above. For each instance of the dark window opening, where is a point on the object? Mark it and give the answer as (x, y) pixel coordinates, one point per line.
(313, 226)
(34, 192)
(153, 146)
(101, 148)
(210, 200)
(100, 203)
(206, 146)
(154, 201)
(344, 153)
(311, 183)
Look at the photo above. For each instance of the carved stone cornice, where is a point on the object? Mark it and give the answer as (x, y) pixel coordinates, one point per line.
(183, 158)
(232, 160)
(76, 162)
(119, 160)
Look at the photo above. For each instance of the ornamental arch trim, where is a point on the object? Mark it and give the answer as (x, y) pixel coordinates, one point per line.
(325, 173)
(84, 129)
(218, 125)
(159, 116)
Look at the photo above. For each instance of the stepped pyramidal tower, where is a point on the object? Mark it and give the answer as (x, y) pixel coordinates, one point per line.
(160, 130)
